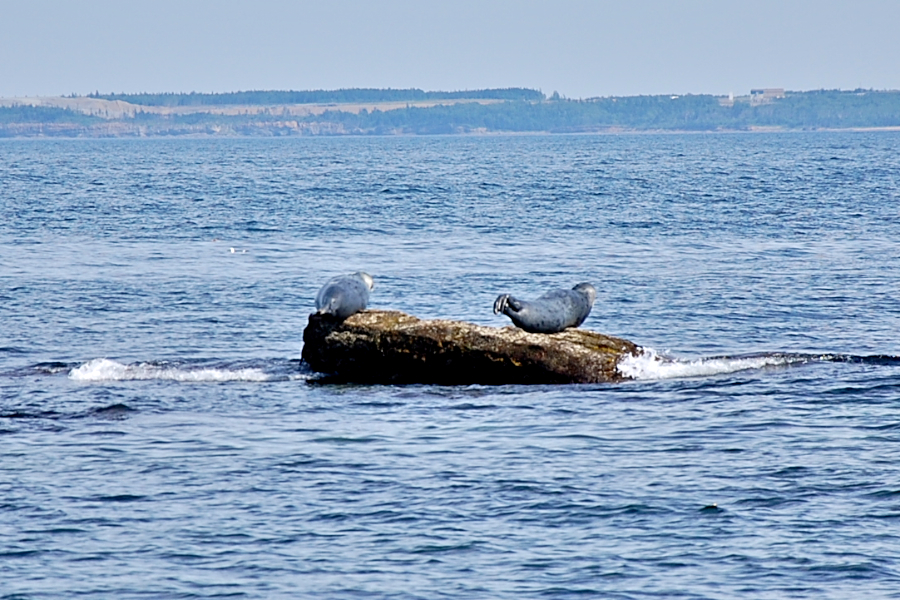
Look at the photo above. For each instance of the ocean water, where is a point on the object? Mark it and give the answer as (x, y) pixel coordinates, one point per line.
(160, 437)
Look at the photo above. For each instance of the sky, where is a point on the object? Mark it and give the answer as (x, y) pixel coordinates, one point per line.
(579, 48)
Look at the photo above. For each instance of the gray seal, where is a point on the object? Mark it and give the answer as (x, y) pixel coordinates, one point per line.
(345, 295)
(552, 312)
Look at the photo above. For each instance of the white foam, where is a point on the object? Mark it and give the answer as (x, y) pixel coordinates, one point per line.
(651, 365)
(103, 369)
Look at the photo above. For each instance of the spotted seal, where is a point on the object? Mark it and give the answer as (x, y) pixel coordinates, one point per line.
(552, 312)
(345, 295)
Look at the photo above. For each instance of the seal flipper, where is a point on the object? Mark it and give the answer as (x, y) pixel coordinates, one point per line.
(504, 302)
(500, 303)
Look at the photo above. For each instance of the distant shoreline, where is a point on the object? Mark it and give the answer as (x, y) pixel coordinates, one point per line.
(485, 134)
(514, 111)
(117, 109)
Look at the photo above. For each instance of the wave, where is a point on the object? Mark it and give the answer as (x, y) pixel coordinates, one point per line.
(648, 365)
(651, 365)
(104, 369)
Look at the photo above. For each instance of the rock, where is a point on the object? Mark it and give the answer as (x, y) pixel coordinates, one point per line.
(378, 346)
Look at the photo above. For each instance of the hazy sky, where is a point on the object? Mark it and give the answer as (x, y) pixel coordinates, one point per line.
(580, 48)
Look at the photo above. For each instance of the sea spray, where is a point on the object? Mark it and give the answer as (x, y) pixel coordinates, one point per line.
(104, 369)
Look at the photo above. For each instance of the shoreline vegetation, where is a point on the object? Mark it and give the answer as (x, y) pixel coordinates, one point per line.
(370, 111)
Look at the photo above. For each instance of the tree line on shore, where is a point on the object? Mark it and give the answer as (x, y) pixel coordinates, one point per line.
(342, 96)
(824, 109)
(817, 110)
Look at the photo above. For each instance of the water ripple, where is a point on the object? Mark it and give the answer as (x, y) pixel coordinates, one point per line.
(161, 438)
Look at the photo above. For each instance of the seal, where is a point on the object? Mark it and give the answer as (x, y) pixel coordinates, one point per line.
(552, 312)
(345, 295)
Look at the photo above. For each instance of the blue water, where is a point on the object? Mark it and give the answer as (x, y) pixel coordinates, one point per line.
(160, 437)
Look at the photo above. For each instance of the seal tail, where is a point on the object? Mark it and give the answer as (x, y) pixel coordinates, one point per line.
(505, 302)
(501, 303)
(331, 308)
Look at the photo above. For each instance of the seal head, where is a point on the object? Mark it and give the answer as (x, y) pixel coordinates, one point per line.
(552, 312)
(345, 295)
